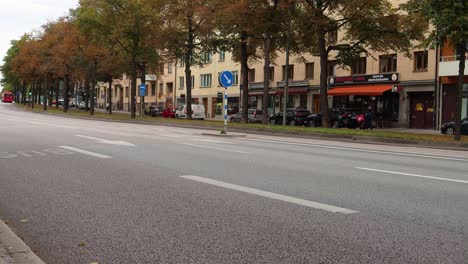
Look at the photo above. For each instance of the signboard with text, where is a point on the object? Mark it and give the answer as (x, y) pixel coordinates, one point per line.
(365, 79)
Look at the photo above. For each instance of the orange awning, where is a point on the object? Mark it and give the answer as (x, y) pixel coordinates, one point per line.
(374, 90)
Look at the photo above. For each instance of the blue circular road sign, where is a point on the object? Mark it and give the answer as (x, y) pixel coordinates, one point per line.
(226, 79)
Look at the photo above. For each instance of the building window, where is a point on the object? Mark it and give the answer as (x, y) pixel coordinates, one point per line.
(170, 89)
(333, 36)
(235, 74)
(420, 61)
(359, 66)
(252, 75)
(126, 91)
(161, 86)
(309, 71)
(388, 63)
(332, 66)
(153, 88)
(206, 57)
(181, 83)
(181, 63)
(272, 74)
(290, 72)
(205, 80)
(222, 55)
(193, 81)
(169, 68)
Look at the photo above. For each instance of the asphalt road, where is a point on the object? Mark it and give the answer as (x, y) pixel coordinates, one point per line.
(81, 191)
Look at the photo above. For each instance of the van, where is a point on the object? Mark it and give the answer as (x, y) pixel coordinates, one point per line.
(198, 111)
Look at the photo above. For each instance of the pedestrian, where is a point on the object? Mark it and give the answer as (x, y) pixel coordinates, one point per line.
(368, 119)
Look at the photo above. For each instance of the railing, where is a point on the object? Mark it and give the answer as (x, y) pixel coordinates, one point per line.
(450, 58)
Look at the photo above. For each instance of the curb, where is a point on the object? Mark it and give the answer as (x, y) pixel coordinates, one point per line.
(341, 138)
(15, 251)
(223, 135)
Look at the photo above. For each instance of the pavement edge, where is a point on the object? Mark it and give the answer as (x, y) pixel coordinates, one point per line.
(16, 250)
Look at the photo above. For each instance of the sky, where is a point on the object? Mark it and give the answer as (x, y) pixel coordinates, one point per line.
(23, 16)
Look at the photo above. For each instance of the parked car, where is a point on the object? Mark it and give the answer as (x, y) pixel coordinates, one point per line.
(198, 112)
(254, 116)
(169, 112)
(237, 117)
(336, 114)
(154, 111)
(294, 117)
(449, 128)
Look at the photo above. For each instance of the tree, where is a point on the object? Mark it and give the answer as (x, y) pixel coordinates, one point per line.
(365, 25)
(450, 25)
(132, 26)
(188, 33)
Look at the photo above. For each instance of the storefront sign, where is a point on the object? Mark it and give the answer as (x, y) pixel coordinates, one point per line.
(364, 79)
(419, 107)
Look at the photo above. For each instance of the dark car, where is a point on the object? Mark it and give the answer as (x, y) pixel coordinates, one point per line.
(294, 117)
(449, 128)
(336, 114)
(154, 111)
(169, 113)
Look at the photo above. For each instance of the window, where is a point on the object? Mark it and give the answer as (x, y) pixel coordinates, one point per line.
(235, 74)
(181, 83)
(169, 68)
(333, 37)
(153, 88)
(388, 63)
(181, 63)
(272, 73)
(252, 75)
(420, 61)
(222, 55)
(290, 72)
(193, 81)
(309, 71)
(170, 89)
(359, 66)
(332, 65)
(161, 68)
(161, 86)
(206, 57)
(205, 80)
(126, 91)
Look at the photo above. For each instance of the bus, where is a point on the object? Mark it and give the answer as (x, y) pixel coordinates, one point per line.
(7, 97)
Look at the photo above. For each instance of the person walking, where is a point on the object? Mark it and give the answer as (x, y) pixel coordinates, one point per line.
(368, 119)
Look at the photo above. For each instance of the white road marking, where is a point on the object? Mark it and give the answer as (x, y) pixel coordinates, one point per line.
(413, 175)
(110, 142)
(93, 154)
(410, 154)
(222, 149)
(285, 198)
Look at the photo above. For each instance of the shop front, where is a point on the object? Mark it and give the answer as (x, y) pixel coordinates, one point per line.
(297, 95)
(379, 93)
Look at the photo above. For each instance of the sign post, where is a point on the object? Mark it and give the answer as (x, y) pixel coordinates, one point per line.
(142, 94)
(226, 78)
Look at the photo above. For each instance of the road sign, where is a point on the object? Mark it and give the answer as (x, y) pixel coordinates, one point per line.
(226, 79)
(142, 89)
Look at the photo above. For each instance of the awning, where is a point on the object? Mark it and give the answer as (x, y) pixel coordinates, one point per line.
(293, 91)
(260, 93)
(374, 90)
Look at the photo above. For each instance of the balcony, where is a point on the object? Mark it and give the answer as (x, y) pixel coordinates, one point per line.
(448, 66)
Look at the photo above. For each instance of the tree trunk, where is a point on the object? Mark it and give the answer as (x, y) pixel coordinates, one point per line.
(57, 93)
(66, 93)
(266, 79)
(33, 93)
(50, 94)
(93, 89)
(87, 91)
(24, 95)
(324, 80)
(133, 89)
(143, 80)
(245, 77)
(188, 71)
(44, 103)
(459, 98)
(109, 92)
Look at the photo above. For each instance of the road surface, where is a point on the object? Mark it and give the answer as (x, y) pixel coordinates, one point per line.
(82, 191)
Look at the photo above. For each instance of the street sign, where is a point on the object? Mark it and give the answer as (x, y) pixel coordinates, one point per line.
(142, 89)
(226, 79)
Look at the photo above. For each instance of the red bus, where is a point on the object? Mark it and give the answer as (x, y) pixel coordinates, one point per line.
(7, 97)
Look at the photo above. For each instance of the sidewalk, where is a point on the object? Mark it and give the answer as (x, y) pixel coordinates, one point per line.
(13, 250)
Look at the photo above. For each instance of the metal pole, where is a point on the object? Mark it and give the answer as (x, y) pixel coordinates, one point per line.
(286, 71)
(225, 110)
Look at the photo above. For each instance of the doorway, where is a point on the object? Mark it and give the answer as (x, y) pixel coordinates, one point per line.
(422, 110)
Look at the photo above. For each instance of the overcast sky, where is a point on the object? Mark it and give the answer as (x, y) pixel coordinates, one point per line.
(23, 16)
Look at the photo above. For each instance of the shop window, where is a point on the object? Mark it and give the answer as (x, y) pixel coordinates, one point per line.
(309, 71)
(153, 88)
(181, 83)
(205, 80)
(252, 75)
(388, 63)
(420, 61)
(290, 73)
(272, 73)
(359, 66)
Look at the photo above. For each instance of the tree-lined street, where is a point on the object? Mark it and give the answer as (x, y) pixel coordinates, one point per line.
(109, 193)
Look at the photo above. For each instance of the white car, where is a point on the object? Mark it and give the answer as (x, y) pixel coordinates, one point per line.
(198, 112)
